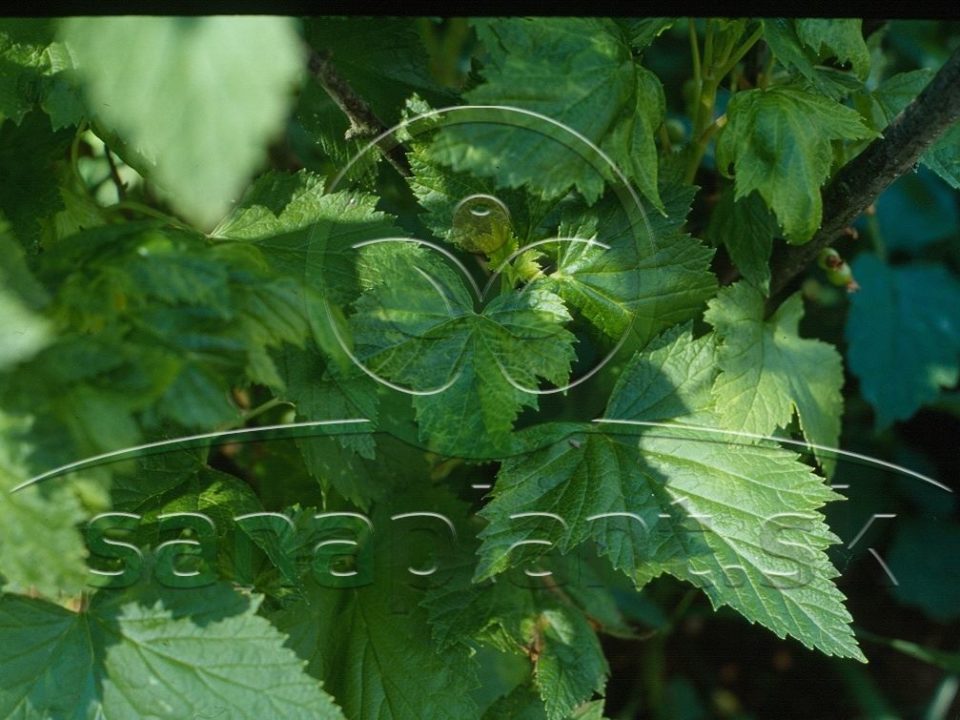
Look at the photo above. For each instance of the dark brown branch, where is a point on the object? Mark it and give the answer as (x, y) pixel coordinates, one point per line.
(363, 121)
(884, 160)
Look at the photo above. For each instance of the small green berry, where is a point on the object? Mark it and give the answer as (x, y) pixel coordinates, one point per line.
(829, 258)
(841, 275)
(675, 130)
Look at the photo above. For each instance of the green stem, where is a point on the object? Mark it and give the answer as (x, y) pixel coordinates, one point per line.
(764, 79)
(864, 691)
(246, 416)
(695, 53)
(264, 407)
(708, 48)
(654, 658)
(712, 129)
(653, 671)
(137, 207)
(703, 119)
(115, 174)
(75, 154)
(681, 609)
(742, 51)
(89, 192)
(876, 237)
(943, 698)
(719, 60)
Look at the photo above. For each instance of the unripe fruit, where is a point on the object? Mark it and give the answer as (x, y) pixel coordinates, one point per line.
(842, 276)
(675, 130)
(829, 258)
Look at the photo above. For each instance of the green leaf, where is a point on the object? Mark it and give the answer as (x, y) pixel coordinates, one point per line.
(182, 482)
(671, 378)
(173, 659)
(31, 160)
(782, 35)
(576, 71)
(81, 211)
(680, 503)
(767, 370)
(321, 138)
(417, 328)
(385, 72)
(63, 98)
(583, 478)
(439, 191)
(943, 157)
(305, 233)
(631, 142)
(661, 277)
(23, 61)
(747, 228)
(779, 143)
(310, 301)
(40, 549)
(359, 465)
(218, 495)
(176, 323)
(654, 282)
(675, 278)
(23, 332)
(903, 320)
(155, 476)
(522, 616)
(198, 98)
(571, 666)
(321, 391)
(522, 703)
(589, 711)
(643, 31)
(882, 105)
(34, 70)
(841, 38)
(371, 645)
(275, 204)
(16, 276)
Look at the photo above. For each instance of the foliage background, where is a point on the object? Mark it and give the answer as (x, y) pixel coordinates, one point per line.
(159, 184)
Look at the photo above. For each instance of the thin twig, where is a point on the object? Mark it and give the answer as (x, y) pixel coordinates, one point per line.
(363, 121)
(860, 181)
(115, 175)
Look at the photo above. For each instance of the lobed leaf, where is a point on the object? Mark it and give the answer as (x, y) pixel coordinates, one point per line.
(778, 141)
(165, 86)
(206, 655)
(767, 370)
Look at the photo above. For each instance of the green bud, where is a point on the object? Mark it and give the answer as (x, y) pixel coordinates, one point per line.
(675, 130)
